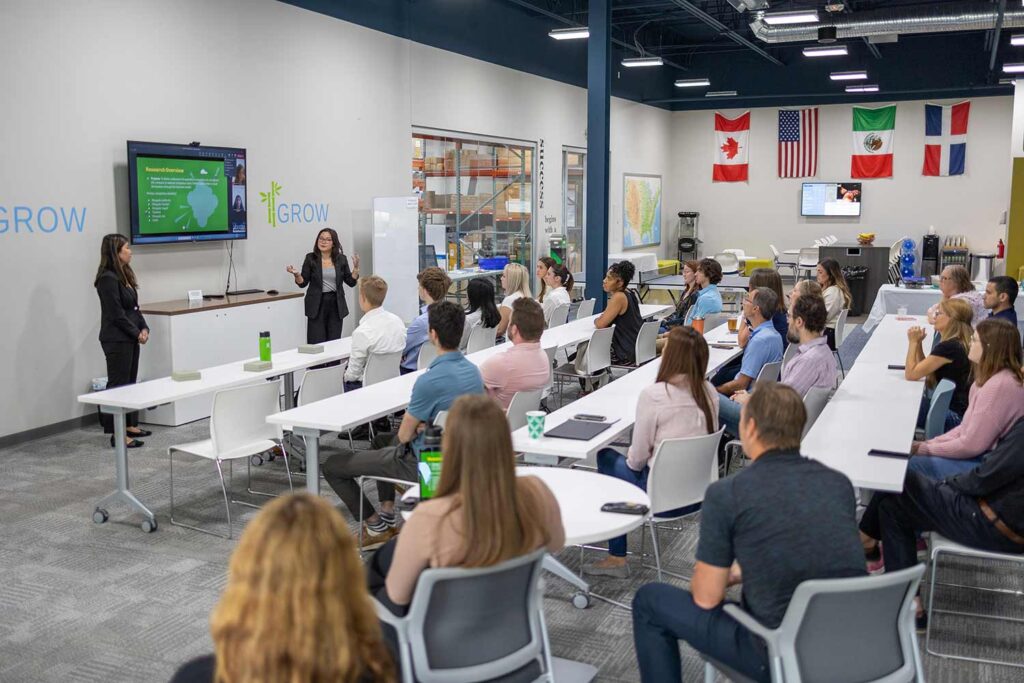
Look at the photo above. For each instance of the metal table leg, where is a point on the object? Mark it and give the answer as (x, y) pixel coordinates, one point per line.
(312, 438)
(289, 390)
(122, 495)
(581, 598)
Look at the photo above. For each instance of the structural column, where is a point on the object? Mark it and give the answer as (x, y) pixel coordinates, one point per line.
(599, 79)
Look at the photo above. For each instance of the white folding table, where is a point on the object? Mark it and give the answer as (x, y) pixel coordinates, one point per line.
(130, 398)
(874, 408)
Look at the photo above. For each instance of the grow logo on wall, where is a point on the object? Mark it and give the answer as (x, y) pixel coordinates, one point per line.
(19, 218)
(291, 212)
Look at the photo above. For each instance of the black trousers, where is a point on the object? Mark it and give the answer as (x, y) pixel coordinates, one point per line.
(326, 325)
(122, 368)
(377, 567)
(928, 505)
(830, 337)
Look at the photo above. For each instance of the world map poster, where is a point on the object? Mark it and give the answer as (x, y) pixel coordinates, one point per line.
(641, 210)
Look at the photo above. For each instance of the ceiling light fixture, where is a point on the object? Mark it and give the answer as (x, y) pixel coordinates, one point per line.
(693, 83)
(642, 61)
(1013, 68)
(807, 16)
(829, 51)
(862, 88)
(721, 93)
(571, 33)
(848, 75)
(1017, 39)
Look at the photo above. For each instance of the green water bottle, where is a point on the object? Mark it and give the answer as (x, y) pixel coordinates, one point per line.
(265, 346)
(430, 462)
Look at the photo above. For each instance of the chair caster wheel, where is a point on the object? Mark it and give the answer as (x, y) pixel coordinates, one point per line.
(256, 460)
(100, 516)
(149, 525)
(580, 600)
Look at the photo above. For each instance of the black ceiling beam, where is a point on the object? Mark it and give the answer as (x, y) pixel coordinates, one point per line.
(995, 35)
(569, 22)
(726, 31)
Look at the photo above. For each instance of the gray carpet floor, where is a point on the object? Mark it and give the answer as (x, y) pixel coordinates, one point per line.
(107, 603)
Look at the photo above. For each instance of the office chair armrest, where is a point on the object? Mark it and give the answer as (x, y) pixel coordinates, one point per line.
(770, 636)
(387, 616)
(390, 480)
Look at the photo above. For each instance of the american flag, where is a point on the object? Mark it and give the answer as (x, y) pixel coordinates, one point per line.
(798, 142)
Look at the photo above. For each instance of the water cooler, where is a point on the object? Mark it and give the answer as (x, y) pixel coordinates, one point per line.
(929, 255)
(688, 243)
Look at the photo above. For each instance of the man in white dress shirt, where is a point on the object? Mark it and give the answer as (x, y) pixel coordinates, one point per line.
(379, 331)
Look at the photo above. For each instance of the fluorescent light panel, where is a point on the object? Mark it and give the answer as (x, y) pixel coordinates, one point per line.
(721, 93)
(809, 16)
(693, 83)
(827, 51)
(642, 61)
(1008, 81)
(848, 75)
(570, 33)
(862, 88)
(1013, 68)
(1017, 39)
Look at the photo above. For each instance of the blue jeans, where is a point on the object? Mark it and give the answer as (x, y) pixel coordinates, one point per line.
(663, 615)
(938, 468)
(952, 419)
(729, 414)
(613, 464)
(352, 386)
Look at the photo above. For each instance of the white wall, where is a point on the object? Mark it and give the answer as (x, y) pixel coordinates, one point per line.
(325, 108)
(767, 209)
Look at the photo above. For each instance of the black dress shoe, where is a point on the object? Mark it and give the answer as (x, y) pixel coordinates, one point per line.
(134, 443)
(140, 432)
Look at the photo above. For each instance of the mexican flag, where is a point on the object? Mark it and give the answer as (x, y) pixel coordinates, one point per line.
(873, 130)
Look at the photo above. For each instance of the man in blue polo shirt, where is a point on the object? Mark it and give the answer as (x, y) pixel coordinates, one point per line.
(764, 344)
(449, 376)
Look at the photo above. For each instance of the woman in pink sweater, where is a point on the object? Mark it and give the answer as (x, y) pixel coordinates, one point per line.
(996, 403)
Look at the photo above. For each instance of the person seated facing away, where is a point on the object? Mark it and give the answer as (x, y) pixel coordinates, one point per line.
(679, 404)
(947, 360)
(996, 403)
(813, 365)
(709, 299)
(525, 366)
(1000, 297)
(515, 282)
(378, 332)
(482, 310)
(274, 616)
(781, 500)
(623, 311)
(761, 277)
(686, 299)
(482, 514)
(556, 278)
(955, 283)
(981, 508)
(836, 294)
(764, 345)
(397, 455)
(433, 287)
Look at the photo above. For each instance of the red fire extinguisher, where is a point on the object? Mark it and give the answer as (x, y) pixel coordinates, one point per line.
(1000, 249)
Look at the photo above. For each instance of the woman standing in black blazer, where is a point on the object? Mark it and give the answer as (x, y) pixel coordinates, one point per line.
(122, 327)
(323, 270)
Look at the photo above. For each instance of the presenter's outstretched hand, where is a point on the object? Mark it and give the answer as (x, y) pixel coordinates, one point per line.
(355, 263)
(291, 269)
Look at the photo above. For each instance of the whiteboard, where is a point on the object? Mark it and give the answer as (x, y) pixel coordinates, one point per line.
(396, 252)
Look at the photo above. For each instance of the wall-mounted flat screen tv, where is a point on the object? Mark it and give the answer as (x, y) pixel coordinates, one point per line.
(186, 193)
(830, 199)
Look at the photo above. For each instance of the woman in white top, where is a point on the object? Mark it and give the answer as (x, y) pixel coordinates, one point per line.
(515, 282)
(836, 294)
(955, 283)
(556, 294)
(482, 311)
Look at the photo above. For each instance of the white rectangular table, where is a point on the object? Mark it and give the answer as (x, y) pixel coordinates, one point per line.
(874, 407)
(917, 302)
(126, 399)
(617, 401)
(674, 283)
(345, 411)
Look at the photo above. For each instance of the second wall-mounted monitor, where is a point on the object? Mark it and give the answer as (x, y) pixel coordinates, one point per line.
(830, 199)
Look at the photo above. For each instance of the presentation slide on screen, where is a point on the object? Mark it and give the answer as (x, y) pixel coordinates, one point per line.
(830, 199)
(182, 195)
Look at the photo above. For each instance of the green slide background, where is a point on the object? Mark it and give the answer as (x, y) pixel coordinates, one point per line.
(179, 215)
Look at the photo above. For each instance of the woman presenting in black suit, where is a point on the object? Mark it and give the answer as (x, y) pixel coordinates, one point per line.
(323, 271)
(122, 327)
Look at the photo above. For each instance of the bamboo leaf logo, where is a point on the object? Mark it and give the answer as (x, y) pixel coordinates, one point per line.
(270, 199)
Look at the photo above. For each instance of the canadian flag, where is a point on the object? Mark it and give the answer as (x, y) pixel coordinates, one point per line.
(731, 138)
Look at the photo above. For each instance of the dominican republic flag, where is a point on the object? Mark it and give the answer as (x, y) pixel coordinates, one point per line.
(798, 142)
(873, 130)
(731, 138)
(945, 138)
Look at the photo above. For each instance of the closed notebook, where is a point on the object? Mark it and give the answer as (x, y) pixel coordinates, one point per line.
(578, 430)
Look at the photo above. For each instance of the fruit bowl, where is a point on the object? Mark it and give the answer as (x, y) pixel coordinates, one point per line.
(866, 239)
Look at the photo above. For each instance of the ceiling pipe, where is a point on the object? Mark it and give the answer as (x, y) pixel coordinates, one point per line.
(996, 33)
(965, 16)
(725, 30)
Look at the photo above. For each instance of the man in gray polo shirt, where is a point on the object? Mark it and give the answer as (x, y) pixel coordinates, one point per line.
(784, 519)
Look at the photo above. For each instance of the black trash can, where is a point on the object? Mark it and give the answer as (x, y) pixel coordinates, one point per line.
(857, 281)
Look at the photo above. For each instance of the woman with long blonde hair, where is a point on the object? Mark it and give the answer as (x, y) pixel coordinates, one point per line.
(295, 607)
(515, 282)
(836, 294)
(947, 360)
(482, 514)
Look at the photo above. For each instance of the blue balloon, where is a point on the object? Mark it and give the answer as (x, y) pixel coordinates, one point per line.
(908, 244)
(908, 259)
(907, 271)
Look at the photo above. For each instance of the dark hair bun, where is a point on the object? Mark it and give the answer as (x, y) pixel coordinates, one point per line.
(625, 270)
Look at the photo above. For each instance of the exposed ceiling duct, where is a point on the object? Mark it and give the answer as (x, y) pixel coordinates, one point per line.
(940, 18)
